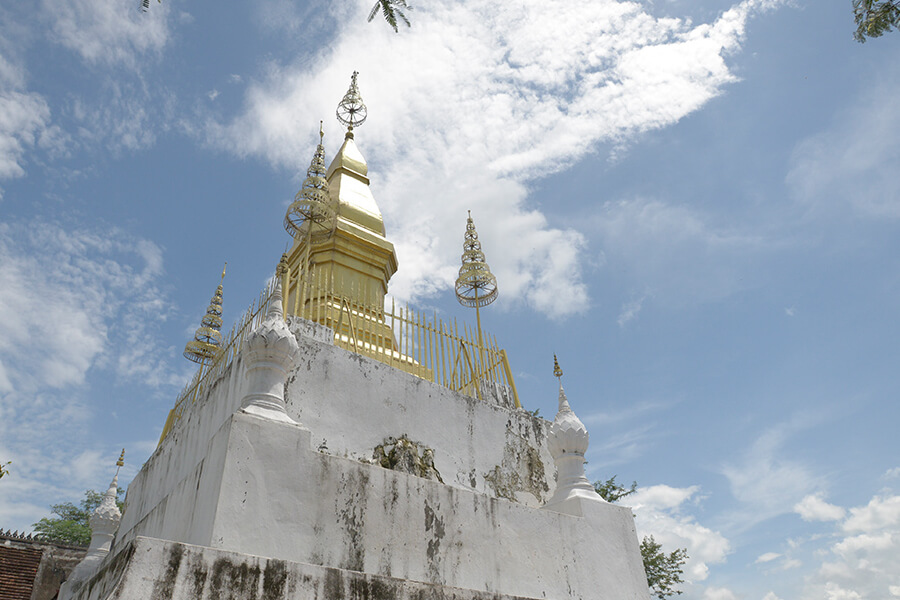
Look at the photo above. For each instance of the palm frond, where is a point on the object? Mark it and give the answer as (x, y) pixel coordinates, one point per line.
(390, 10)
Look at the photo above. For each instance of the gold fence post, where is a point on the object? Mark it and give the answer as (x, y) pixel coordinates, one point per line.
(509, 377)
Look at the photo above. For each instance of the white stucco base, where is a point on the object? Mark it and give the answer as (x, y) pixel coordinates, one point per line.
(277, 497)
(228, 481)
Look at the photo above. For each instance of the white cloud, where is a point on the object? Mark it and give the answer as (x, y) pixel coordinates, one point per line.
(108, 31)
(102, 32)
(718, 593)
(862, 562)
(766, 484)
(24, 115)
(879, 513)
(835, 592)
(892, 473)
(814, 508)
(73, 302)
(853, 162)
(124, 115)
(660, 497)
(477, 99)
(767, 557)
(771, 596)
(676, 252)
(658, 512)
(630, 310)
(64, 292)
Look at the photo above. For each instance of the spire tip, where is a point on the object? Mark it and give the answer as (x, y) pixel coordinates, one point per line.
(557, 370)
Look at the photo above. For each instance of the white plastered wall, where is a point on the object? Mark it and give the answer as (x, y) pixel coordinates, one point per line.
(264, 489)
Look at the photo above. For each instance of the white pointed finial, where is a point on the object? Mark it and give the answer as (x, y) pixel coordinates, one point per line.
(275, 310)
(269, 353)
(568, 441)
(104, 523)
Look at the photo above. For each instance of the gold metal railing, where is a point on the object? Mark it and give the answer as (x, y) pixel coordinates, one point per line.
(446, 353)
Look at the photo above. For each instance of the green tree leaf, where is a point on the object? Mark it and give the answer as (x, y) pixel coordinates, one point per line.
(874, 18)
(663, 570)
(612, 491)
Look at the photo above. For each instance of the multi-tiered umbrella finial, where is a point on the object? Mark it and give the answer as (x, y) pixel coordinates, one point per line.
(352, 112)
(208, 338)
(312, 214)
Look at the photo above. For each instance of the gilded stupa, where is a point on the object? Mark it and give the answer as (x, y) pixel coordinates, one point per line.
(354, 259)
(335, 448)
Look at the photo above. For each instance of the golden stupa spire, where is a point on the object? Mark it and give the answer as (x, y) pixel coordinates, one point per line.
(312, 215)
(208, 337)
(352, 111)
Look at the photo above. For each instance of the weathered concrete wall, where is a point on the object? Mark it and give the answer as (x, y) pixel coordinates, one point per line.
(151, 568)
(56, 564)
(279, 498)
(303, 506)
(232, 481)
(354, 403)
(177, 487)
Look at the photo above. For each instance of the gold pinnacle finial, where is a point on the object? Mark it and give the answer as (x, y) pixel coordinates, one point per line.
(208, 337)
(557, 370)
(312, 215)
(223, 270)
(120, 463)
(352, 111)
(476, 286)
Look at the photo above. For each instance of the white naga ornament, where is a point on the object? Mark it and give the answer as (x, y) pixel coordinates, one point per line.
(269, 352)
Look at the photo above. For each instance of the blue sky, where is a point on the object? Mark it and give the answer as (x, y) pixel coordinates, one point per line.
(694, 203)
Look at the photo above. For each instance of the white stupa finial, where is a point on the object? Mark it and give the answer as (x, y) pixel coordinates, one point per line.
(269, 353)
(104, 522)
(276, 310)
(568, 441)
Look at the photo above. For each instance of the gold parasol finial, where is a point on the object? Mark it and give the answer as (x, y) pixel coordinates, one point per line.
(208, 337)
(476, 286)
(120, 463)
(557, 370)
(281, 269)
(352, 111)
(312, 216)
